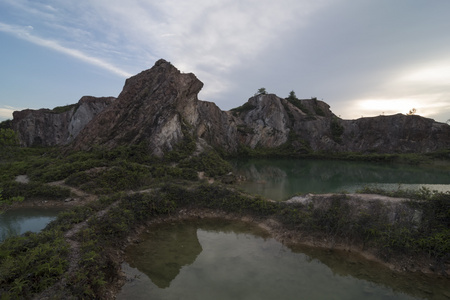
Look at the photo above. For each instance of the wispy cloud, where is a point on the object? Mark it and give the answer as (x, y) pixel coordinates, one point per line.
(26, 34)
(7, 111)
(208, 38)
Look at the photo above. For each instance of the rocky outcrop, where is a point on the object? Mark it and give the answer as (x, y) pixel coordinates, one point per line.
(160, 107)
(397, 133)
(45, 127)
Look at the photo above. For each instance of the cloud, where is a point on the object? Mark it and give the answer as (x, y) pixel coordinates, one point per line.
(7, 111)
(435, 73)
(208, 38)
(25, 34)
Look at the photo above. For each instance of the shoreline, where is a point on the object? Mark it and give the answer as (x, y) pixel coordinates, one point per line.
(290, 237)
(275, 230)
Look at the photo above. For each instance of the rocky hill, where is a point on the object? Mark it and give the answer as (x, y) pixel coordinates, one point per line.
(45, 127)
(160, 106)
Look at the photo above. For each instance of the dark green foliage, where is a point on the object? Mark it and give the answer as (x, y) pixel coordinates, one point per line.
(122, 176)
(133, 153)
(67, 219)
(34, 190)
(247, 106)
(93, 267)
(292, 96)
(7, 138)
(182, 150)
(336, 130)
(261, 91)
(218, 197)
(31, 263)
(297, 103)
(7, 124)
(62, 109)
(332, 221)
(209, 162)
(433, 234)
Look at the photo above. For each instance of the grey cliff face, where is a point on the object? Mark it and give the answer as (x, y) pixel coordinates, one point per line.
(45, 127)
(397, 133)
(268, 122)
(160, 106)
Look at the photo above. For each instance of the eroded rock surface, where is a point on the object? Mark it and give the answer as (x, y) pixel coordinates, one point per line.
(45, 127)
(160, 106)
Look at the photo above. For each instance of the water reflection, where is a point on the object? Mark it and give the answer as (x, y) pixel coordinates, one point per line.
(349, 264)
(20, 220)
(235, 260)
(171, 248)
(279, 179)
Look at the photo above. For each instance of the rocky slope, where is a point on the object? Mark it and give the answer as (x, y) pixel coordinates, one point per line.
(160, 106)
(45, 127)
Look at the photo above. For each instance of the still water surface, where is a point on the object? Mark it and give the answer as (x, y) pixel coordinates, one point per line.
(279, 179)
(220, 259)
(20, 220)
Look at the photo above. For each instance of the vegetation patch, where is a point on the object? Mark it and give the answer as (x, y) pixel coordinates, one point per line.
(32, 263)
(63, 109)
(246, 107)
(336, 130)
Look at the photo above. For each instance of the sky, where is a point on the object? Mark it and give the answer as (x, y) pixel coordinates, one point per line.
(363, 57)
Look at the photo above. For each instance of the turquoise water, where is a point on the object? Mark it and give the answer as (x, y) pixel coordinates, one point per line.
(219, 259)
(279, 179)
(20, 220)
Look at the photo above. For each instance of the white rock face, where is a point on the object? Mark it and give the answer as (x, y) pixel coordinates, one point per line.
(45, 127)
(88, 108)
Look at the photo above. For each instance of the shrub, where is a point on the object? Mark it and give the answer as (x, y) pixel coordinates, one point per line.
(31, 263)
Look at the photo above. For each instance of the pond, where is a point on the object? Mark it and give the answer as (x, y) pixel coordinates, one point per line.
(279, 179)
(20, 220)
(223, 259)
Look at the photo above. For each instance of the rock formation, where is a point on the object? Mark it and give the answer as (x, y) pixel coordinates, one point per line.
(45, 127)
(159, 106)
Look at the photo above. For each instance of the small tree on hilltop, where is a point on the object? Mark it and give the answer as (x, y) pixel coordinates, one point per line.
(261, 91)
(292, 96)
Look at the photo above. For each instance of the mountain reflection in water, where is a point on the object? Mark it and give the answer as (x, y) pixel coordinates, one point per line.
(164, 251)
(237, 260)
(279, 179)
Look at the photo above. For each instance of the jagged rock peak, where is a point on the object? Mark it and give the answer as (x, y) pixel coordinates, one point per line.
(163, 75)
(155, 106)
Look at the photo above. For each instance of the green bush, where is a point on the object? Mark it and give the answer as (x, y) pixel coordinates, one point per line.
(8, 138)
(31, 263)
(34, 190)
(209, 162)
